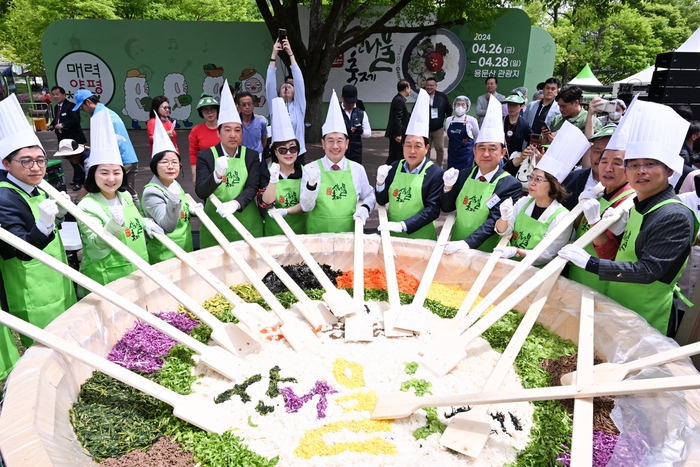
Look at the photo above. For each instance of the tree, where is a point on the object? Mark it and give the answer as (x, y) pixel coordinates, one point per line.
(336, 26)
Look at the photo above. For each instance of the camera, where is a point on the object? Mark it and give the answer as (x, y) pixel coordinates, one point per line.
(607, 107)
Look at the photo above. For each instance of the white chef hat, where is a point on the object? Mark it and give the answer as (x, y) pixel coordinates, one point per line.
(566, 150)
(282, 129)
(15, 131)
(335, 123)
(161, 140)
(419, 124)
(491, 130)
(228, 113)
(618, 140)
(655, 131)
(103, 141)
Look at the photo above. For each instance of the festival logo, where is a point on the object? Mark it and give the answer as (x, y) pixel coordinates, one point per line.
(134, 230)
(521, 239)
(338, 191)
(231, 178)
(625, 239)
(403, 194)
(289, 199)
(185, 212)
(472, 204)
(85, 70)
(438, 54)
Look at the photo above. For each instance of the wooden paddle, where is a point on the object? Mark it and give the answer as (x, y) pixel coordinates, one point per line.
(468, 303)
(359, 326)
(581, 437)
(441, 357)
(606, 372)
(315, 313)
(412, 317)
(468, 432)
(200, 412)
(392, 284)
(399, 404)
(338, 300)
(234, 338)
(299, 336)
(251, 314)
(216, 358)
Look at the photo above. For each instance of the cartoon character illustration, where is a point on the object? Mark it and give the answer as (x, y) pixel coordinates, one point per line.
(213, 81)
(254, 83)
(175, 89)
(137, 103)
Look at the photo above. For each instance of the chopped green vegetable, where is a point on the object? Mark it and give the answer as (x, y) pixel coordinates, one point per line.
(432, 425)
(410, 367)
(176, 373)
(250, 422)
(420, 386)
(202, 333)
(238, 390)
(272, 388)
(263, 409)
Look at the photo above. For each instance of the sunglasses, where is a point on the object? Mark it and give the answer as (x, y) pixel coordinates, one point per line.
(290, 150)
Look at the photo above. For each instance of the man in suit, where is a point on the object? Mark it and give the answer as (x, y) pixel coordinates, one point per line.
(482, 102)
(66, 125)
(398, 121)
(544, 110)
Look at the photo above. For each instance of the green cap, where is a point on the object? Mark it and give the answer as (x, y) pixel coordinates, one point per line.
(604, 132)
(207, 100)
(514, 98)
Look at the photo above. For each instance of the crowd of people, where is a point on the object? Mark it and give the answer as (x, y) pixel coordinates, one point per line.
(515, 172)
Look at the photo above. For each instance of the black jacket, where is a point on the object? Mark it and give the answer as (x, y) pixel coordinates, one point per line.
(442, 103)
(521, 135)
(575, 183)
(507, 187)
(16, 217)
(398, 117)
(206, 185)
(70, 119)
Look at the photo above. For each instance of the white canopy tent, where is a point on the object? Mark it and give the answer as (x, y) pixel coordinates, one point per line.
(642, 78)
(692, 44)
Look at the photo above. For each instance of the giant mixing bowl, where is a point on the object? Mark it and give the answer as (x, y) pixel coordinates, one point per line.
(34, 425)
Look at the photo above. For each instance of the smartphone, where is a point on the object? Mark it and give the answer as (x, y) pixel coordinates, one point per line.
(545, 127)
(281, 34)
(535, 139)
(607, 107)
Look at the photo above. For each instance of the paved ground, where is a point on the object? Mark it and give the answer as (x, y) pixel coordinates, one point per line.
(374, 153)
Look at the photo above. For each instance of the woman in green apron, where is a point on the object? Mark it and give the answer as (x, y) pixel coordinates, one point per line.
(284, 188)
(163, 199)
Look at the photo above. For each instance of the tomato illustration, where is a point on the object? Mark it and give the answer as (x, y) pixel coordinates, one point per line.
(434, 61)
(465, 200)
(127, 232)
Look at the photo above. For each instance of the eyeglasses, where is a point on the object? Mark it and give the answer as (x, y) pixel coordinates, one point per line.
(246, 104)
(167, 107)
(163, 163)
(333, 142)
(290, 150)
(208, 110)
(29, 163)
(536, 180)
(634, 167)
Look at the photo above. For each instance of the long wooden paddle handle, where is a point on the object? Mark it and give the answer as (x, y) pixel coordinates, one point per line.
(237, 258)
(434, 261)
(286, 279)
(105, 366)
(130, 255)
(392, 283)
(661, 358)
(303, 252)
(102, 291)
(358, 262)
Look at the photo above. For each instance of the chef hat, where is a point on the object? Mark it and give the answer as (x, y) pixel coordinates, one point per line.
(15, 131)
(419, 124)
(491, 130)
(282, 129)
(618, 141)
(228, 113)
(655, 131)
(335, 123)
(161, 140)
(103, 141)
(565, 151)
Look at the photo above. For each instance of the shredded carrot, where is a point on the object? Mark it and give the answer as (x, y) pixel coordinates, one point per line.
(376, 279)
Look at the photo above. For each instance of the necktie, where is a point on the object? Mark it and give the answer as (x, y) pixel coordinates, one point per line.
(35, 192)
(482, 179)
(58, 113)
(335, 167)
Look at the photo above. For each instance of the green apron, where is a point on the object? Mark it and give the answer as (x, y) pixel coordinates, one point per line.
(528, 232)
(287, 196)
(35, 292)
(336, 202)
(231, 186)
(113, 266)
(581, 275)
(473, 197)
(403, 204)
(652, 301)
(182, 235)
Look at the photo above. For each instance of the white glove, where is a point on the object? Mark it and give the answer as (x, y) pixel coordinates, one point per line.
(507, 251)
(47, 212)
(151, 227)
(506, 209)
(117, 213)
(61, 211)
(576, 255)
(589, 193)
(274, 172)
(174, 192)
(312, 173)
(591, 209)
(455, 246)
(281, 211)
(450, 177)
(196, 206)
(227, 208)
(382, 172)
(618, 227)
(362, 213)
(221, 166)
(391, 226)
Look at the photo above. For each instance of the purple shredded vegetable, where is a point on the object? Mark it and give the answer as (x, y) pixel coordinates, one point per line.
(179, 320)
(293, 403)
(603, 446)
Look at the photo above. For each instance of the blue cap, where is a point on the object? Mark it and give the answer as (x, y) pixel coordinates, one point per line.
(81, 96)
